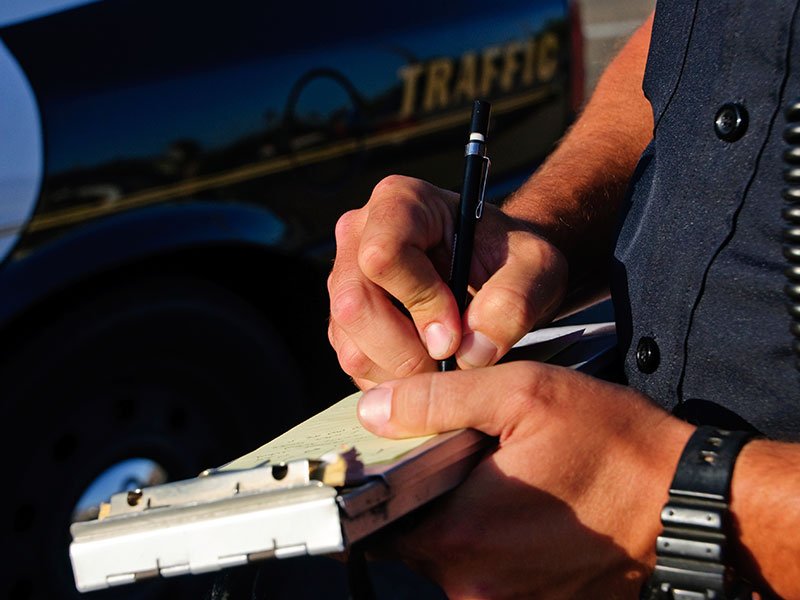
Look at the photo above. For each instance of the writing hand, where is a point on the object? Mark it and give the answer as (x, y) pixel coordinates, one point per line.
(398, 246)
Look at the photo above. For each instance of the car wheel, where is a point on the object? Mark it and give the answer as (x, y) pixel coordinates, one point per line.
(156, 379)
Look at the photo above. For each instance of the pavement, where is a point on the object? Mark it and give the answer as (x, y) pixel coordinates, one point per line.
(607, 24)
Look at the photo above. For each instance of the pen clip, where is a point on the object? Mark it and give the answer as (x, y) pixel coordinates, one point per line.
(484, 178)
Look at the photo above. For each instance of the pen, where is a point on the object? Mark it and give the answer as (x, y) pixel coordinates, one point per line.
(470, 209)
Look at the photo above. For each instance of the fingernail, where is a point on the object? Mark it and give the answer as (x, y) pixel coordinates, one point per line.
(476, 350)
(375, 406)
(438, 339)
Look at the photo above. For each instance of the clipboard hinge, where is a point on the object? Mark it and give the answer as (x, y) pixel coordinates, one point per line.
(365, 497)
(206, 536)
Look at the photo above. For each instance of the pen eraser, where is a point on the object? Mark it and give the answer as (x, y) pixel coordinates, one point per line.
(480, 117)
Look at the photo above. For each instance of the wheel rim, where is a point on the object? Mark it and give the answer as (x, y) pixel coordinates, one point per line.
(125, 475)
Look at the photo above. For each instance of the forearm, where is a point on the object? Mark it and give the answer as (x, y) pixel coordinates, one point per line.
(765, 502)
(574, 196)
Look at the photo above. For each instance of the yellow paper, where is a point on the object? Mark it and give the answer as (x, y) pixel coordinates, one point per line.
(333, 429)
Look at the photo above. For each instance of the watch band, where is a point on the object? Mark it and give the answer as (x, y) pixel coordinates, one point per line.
(692, 551)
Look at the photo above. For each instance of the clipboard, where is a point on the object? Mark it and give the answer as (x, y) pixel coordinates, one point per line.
(279, 509)
(230, 518)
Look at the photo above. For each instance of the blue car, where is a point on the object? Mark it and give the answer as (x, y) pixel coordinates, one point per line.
(170, 176)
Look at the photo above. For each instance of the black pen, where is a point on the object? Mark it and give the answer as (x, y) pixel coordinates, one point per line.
(470, 209)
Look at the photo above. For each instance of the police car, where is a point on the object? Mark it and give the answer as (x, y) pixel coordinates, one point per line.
(170, 177)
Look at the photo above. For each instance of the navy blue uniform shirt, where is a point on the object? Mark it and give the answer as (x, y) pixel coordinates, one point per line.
(698, 277)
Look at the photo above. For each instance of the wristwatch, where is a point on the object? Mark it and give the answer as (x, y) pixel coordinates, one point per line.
(692, 552)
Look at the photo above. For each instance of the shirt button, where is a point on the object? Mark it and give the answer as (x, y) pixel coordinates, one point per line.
(647, 355)
(730, 122)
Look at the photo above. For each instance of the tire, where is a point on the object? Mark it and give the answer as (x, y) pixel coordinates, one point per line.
(176, 371)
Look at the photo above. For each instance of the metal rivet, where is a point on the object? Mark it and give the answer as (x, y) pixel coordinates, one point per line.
(279, 471)
(134, 496)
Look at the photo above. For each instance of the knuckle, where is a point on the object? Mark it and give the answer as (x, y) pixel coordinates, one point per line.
(331, 334)
(346, 224)
(347, 304)
(557, 260)
(391, 185)
(330, 283)
(531, 390)
(546, 250)
(410, 365)
(422, 299)
(377, 256)
(551, 260)
(432, 408)
(353, 361)
(509, 306)
(414, 195)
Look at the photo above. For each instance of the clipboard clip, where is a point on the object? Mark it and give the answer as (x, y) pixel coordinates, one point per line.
(211, 485)
(226, 518)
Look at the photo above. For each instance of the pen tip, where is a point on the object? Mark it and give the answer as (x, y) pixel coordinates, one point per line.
(480, 117)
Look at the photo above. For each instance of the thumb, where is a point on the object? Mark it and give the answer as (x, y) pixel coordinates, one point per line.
(526, 290)
(483, 399)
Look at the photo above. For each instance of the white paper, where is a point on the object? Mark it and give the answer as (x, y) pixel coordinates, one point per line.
(334, 429)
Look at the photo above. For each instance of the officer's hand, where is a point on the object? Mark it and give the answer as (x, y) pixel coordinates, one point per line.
(569, 503)
(398, 246)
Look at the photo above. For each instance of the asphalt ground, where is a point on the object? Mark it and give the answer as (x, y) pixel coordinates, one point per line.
(607, 24)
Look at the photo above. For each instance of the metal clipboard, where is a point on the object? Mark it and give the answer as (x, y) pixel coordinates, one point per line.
(230, 518)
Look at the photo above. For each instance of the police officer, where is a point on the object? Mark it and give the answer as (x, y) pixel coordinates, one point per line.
(596, 489)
